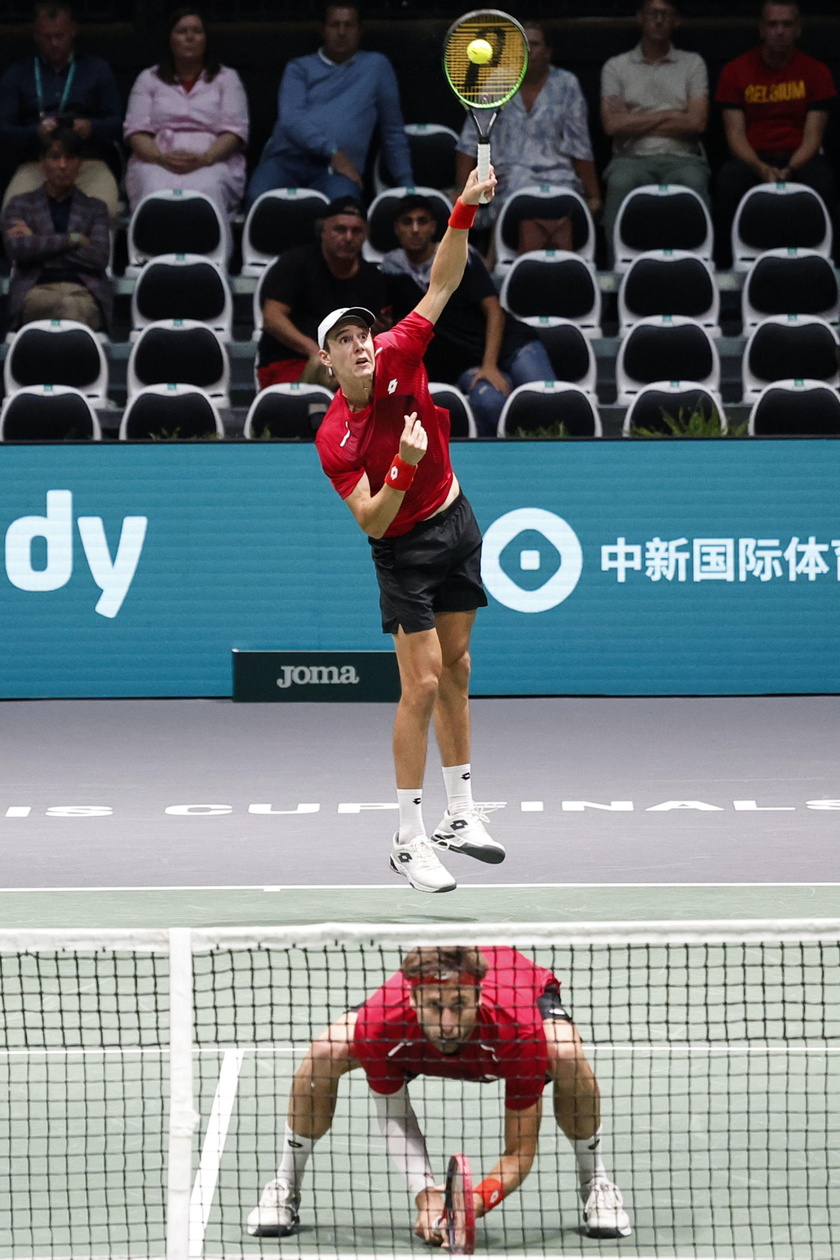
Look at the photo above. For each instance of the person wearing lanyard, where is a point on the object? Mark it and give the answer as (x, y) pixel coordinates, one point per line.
(60, 86)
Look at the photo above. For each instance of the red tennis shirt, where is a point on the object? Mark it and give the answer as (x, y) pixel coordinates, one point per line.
(507, 1042)
(351, 443)
(775, 102)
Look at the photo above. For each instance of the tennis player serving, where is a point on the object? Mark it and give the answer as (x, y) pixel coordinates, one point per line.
(385, 446)
(466, 1014)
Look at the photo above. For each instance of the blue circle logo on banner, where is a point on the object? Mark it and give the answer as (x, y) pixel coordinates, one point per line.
(500, 548)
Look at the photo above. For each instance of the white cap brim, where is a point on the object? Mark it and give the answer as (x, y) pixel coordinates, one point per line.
(326, 326)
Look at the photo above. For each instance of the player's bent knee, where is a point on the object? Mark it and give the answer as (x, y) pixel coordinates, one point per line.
(331, 1053)
(564, 1044)
(420, 687)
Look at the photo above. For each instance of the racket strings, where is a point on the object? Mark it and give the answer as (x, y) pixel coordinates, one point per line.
(490, 85)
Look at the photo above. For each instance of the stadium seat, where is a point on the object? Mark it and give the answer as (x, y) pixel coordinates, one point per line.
(547, 284)
(57, 352)
(176, 221)
(670, 398)
(383, 209)
(795, 408)
(571, 353)
(669, 282)
(461, 419)
(661, 216)
(278, 220)
(48, 413)
(290, 411)
(547, 404)
(432, 150)
(182, 286)
(779, 216)
(683, 346)
(542, 201)
(789, 347)
(183, 352)
(790, 282)
(170, 413)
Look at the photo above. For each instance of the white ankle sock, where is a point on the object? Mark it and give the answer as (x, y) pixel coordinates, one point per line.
(458, 782)
(411, 814)
(589, 1153)
(294, 1154)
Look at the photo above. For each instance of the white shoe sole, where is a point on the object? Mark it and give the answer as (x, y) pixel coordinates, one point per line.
(273, 1231)
(595, 1232)
(400, 870)
(478, 851)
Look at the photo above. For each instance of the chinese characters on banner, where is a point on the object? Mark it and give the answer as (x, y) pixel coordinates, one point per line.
(722, 559)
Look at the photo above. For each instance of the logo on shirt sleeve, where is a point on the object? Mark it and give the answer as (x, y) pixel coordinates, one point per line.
(392, 386)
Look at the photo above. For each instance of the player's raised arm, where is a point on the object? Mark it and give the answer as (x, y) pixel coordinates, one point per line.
(451, 257)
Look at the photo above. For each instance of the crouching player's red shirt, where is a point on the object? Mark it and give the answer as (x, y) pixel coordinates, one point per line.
(507, 1042)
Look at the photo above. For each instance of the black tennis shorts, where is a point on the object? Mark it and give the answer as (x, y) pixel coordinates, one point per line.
(434, 568)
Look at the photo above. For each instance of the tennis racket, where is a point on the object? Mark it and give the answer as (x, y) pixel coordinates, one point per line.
(484, 88)
(459, 1208)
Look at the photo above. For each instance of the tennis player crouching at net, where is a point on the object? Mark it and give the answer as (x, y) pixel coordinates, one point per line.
(468, 1015)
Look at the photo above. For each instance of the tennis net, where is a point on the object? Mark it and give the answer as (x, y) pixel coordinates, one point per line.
(144, 1079)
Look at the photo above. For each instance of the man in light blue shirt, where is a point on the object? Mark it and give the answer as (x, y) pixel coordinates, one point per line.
(328, 107)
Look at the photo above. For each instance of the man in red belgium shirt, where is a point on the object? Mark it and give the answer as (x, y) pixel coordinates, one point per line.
(775, 101)
(466, 1014)
(385, 446)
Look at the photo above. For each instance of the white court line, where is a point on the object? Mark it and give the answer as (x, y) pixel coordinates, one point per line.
(204, 1187)
(631, 1047)
(378, 1255)
(373, 887)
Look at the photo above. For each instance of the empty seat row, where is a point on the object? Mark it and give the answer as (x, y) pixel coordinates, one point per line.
(779, 348)
(68, 353)
(653, 217)
(552, 409)
(188, 352)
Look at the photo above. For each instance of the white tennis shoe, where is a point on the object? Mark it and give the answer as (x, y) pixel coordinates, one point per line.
(276, 1214)
(603, 1211)
(464, 832)
(421, 866)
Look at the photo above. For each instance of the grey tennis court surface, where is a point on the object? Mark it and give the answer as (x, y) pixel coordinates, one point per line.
(596, 791)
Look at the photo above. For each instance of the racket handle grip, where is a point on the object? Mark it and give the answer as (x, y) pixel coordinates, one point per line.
(483, 165)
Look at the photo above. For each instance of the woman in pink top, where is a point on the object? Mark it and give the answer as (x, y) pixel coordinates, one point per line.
(187, 121)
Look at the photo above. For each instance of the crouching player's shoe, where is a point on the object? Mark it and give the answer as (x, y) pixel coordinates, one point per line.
(603, 1211)
(417, 861)
(464, 832)
(276, 1214)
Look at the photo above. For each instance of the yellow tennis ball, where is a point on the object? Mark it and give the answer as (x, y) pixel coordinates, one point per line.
(479, 52)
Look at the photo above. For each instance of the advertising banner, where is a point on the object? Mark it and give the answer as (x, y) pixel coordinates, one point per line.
(612, 567)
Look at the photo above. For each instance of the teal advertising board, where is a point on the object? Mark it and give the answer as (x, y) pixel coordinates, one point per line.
(620, 568)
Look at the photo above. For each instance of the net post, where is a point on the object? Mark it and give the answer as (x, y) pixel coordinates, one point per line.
(182, 1114)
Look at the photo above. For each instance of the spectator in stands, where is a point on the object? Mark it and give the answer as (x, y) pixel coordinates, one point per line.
(476, 345)
(655, 105)
(187, 121)
(59, 241)
(60, 87)
(308, 282)
(328, 107)
(775, 102)
(542, 135)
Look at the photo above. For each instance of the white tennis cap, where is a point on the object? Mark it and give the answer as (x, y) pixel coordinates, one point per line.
(343, 314)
